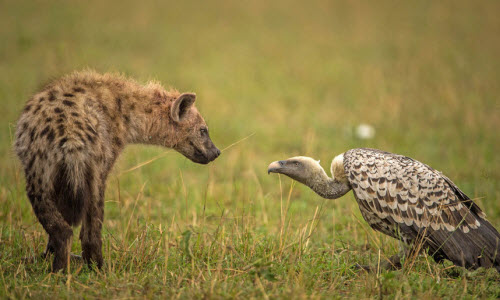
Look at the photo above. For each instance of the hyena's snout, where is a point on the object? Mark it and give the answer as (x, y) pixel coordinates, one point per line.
(211, 152)
(205, 153)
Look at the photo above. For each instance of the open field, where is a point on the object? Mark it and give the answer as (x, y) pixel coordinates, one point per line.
(273, 79)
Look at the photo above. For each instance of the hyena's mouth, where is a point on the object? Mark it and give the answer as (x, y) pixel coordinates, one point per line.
(198, 155)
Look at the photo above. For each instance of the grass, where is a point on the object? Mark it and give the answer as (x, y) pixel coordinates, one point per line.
(284, 79)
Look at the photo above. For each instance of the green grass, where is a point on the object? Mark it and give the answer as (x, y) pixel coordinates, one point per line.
(297, 78)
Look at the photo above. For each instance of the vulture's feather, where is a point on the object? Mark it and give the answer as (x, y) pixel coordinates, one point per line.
(409, 200)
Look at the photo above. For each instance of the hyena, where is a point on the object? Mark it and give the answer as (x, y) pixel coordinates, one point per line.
(69, 136)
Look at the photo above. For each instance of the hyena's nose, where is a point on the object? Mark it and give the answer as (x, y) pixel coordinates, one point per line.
(214, 153)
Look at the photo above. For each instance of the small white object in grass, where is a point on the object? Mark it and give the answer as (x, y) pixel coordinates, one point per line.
(365, 131)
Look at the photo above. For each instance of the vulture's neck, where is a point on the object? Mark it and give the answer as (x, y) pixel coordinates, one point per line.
(326, 187)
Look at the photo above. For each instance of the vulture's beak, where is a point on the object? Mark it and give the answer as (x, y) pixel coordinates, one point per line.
(275, 167)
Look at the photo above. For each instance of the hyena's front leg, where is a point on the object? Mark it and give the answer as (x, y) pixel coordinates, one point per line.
(90, 234)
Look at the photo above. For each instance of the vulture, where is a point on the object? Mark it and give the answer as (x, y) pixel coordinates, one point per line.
(407, 200)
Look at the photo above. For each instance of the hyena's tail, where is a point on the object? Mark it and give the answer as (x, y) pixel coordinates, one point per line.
(73, 179)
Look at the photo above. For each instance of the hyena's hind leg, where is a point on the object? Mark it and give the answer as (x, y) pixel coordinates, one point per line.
(90, 234)
(59, 231)
(50, 249)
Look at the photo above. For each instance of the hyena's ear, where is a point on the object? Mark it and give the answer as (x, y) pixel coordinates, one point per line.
(181, 106)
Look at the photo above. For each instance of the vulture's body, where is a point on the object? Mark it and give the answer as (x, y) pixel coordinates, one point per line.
(408, 200)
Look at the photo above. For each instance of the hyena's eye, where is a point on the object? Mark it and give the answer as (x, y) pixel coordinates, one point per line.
(203, 131)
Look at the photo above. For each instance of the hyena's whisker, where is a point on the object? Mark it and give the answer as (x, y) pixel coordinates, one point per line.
(237, 142)
(142, 164)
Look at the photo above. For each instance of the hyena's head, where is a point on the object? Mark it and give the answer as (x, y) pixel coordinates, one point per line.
(192, 138)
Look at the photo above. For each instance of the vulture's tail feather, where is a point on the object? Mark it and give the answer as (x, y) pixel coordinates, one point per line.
(477, 248)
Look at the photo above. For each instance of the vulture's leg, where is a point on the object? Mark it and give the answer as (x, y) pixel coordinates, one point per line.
(392, 263)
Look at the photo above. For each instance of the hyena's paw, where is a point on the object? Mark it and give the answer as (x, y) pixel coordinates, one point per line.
(59, 263)
(92, 254)
(61, 247)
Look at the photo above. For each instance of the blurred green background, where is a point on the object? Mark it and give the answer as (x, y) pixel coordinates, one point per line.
(296, 78)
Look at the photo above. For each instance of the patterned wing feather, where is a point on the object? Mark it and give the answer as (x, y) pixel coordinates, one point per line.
(409, 200)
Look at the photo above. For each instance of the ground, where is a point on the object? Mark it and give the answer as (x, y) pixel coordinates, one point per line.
(273, 80)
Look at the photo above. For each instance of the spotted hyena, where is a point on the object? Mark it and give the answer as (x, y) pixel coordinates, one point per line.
(70, 134)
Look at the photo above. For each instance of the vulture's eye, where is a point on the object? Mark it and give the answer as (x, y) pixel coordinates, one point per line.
(296, 163)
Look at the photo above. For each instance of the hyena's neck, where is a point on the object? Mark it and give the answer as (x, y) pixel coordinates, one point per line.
(140, 114)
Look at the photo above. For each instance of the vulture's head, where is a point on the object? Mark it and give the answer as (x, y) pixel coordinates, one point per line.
(300, 168)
